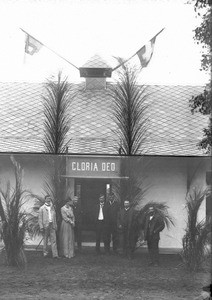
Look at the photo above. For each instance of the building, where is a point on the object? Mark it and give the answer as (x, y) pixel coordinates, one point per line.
(92, 162)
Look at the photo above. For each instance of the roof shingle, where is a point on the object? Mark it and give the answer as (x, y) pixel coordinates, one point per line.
(172, 129)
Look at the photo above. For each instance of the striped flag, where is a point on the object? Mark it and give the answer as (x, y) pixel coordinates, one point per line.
(146, 52)
(32, 45)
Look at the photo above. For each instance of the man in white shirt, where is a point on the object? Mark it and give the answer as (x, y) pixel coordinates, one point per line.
(100, 216)
(48, 226)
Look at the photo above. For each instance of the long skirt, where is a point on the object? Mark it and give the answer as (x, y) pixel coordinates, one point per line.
(66, 240)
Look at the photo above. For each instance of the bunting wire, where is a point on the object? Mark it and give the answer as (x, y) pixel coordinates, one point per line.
(119, 65)
(29, 35)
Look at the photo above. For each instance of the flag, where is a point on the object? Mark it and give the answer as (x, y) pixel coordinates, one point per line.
(32, 45)
(146, 52)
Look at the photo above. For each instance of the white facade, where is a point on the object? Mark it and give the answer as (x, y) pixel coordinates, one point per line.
(168, 179)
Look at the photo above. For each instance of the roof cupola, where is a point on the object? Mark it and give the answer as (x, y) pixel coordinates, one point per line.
(95, 71)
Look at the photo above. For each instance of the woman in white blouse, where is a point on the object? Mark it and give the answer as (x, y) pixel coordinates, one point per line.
(67, 230)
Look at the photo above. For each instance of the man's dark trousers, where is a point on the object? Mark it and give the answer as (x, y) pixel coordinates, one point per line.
(78, 225)
(112, 209)
(153, 226)
(111, 231)
(78, 235)
(100, 234)
(153, 249)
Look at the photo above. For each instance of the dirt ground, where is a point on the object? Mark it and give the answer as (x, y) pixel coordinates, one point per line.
(88, 276)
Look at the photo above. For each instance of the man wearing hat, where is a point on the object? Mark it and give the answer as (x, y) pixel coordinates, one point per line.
(153, 225)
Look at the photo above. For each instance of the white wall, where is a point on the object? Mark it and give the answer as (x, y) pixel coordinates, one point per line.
(168, 177)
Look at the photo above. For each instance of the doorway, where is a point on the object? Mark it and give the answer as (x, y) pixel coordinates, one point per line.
(88, 191)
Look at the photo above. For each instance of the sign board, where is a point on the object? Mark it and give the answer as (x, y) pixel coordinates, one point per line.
(93, 167)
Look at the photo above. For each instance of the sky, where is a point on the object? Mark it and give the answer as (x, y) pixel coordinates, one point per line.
(79, 29)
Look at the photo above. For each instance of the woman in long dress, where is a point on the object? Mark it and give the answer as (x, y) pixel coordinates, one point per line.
(67, 230)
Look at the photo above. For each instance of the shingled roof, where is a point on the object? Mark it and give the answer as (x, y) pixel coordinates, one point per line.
(96, 61)
(172, 129)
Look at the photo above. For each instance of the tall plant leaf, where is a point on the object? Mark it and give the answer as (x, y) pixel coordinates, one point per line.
(196, 237)
(129, 115)
(14, 218)
(57, 120)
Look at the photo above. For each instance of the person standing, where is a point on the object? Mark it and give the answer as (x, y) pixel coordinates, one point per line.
(153, 225)
(112, 208)
(78, 222)
(100, 216)
(67, 230)
(48, 226)
(125, 218)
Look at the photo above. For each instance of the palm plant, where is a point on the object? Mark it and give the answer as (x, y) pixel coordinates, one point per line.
(14, 218)
(33, 228)
(161, 208)
(138, 222)
(197, 232)
(129, 111)
(136, 186)
(57, 123)
(129, 115)
(55, 184)
(56, 117)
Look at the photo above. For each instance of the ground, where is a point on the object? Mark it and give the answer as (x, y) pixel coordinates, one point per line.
(88, 276)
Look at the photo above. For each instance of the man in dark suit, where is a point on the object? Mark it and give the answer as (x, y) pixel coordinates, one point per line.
(112, 208)
(100, 217)
(153, 225)
(125, 219)
(78, 222)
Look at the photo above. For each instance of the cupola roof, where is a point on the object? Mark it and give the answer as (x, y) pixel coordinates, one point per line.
(97, 67)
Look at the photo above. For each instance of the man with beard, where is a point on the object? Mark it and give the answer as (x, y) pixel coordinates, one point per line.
(153, 225)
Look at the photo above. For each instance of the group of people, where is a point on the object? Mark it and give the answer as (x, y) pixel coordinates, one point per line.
(70, 228)
(113, 226)
(118, 225)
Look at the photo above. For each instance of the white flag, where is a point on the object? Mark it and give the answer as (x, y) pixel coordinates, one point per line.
(32, 45)
(146, 52)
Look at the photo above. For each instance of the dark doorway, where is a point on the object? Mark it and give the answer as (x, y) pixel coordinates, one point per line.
(90, 189)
